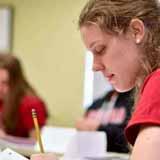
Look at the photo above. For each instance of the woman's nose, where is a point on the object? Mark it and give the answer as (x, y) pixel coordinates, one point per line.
(97, 67)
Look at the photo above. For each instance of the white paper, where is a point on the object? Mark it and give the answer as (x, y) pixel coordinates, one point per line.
(86, 144)
(9, 154)
(56, 139)
(73, 144)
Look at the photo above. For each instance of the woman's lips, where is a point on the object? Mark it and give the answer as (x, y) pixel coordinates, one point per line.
(110, 77)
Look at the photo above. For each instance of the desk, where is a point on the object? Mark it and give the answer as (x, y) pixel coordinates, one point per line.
(110, 156)
(56, 139)
(28, 148)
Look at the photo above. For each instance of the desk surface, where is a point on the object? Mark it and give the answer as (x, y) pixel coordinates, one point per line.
(110, 156)
(28, 148)
(57, 137)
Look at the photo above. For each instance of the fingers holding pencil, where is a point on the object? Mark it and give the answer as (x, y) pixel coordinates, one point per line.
(46, 156)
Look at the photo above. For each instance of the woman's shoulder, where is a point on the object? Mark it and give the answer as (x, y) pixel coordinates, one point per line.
(29, 102)
(152, 79)
(31, 99)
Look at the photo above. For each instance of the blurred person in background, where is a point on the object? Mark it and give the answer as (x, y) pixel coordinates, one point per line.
(110, 114)
(17, 98)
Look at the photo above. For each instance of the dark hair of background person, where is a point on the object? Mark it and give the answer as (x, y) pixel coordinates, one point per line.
(18, 87)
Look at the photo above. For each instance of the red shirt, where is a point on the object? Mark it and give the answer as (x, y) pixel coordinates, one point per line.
(25, 121)
(147, 110)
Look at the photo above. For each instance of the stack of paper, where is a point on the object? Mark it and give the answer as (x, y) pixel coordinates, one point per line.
(72, 143)
(87, 144)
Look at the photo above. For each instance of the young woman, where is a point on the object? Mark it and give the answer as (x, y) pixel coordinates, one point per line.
(17, 98)
(124, 37)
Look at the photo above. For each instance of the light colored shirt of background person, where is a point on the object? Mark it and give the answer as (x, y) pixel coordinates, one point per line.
(17, 98)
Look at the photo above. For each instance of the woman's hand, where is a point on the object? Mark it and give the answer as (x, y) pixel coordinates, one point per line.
(87, 124)
(2, 133)
(44, 156)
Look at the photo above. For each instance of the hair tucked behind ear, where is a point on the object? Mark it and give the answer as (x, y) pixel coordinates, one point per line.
(114, 16)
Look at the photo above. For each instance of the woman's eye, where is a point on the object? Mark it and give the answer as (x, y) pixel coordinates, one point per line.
(100, 50)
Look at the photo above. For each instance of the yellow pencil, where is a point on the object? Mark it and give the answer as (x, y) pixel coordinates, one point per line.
(38, 136)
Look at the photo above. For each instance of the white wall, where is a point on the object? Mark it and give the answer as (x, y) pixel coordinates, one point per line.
(95, 85)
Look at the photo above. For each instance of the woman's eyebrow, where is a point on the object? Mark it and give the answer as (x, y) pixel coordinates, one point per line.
(91, 46)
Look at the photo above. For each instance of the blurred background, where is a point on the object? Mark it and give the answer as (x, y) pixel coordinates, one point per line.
(45, 36)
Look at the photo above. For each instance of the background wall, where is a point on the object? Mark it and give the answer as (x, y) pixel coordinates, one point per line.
(47, 40)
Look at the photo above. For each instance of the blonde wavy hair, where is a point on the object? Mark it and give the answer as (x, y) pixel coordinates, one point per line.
(114, 16)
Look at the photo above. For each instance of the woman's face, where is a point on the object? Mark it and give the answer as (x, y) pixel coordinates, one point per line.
(116, 56)
(4, 83)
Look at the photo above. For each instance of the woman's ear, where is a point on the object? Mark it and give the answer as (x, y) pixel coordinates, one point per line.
(137, 29)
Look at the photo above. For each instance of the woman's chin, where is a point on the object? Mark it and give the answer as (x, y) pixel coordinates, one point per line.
(122, 89)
